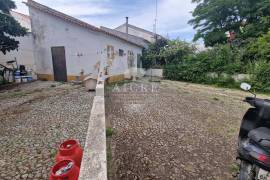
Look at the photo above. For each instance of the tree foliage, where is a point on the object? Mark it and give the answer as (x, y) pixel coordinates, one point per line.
(165, 52)
(212, 18)
(259, 50)
(9, 27)
(150, 56)
(176, 51)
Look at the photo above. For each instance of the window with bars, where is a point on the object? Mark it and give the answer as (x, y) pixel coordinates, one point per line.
(131, 59)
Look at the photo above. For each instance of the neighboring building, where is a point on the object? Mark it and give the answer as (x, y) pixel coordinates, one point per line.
(65, 47)
(132, 38)
(24, 55)
(139, 32)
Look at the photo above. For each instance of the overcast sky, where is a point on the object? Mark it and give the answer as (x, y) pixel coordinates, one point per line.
(173, 15)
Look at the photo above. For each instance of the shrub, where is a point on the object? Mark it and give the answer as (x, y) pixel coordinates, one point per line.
(259, 49)
(166, 52)
(260, 78)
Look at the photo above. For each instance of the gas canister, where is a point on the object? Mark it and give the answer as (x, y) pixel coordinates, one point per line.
(70, 149)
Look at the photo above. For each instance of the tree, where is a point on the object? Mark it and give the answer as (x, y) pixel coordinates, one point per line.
(176, 51)
(247, 18)
(9, 27)
(151, 57)
(259, 50)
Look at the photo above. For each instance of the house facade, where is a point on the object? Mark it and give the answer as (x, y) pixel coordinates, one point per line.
(139, 32)
(24, 55)
(66, 48)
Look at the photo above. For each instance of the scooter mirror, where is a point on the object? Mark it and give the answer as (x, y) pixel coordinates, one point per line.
(245, 86)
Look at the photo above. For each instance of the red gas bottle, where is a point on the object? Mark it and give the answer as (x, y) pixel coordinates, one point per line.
(70, 149)
(64, 170)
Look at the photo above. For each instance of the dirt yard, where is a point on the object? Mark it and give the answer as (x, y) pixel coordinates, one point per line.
(172, 130)
(34, 119)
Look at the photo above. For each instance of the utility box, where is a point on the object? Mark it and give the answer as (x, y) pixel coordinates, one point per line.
(90, 82)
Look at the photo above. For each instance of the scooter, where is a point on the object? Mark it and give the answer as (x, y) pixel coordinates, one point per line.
(254, 139)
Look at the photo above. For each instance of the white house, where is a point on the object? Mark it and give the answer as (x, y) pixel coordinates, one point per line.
(24, 55)
(137, 31)
(66, 48)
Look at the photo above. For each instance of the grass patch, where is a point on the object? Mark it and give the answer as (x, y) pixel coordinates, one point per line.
(110, 166)
(109, 132)
(53, 153)
(234, 168)
(109, 154)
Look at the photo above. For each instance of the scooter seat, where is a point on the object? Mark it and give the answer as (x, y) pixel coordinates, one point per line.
(261, 136)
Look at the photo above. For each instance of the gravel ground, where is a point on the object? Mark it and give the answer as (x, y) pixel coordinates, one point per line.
(34, 119)
(178, 131)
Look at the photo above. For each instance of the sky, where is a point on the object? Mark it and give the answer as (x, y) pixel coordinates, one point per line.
(173, 15)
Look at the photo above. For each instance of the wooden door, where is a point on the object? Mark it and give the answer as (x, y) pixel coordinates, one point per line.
(59, 63)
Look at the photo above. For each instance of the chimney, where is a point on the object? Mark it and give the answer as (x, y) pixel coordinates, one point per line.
(127, 25)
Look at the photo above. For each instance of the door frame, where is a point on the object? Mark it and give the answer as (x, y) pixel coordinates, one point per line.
(62, 77)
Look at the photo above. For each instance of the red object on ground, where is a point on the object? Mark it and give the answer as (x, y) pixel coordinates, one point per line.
(70, 149)
(65, 170)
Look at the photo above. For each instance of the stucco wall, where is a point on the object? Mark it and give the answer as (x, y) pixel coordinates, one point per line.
(49, 31)
(24, 55)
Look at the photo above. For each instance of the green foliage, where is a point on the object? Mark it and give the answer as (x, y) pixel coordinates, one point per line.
(214, 66)
(259, 50)
(176, 51)
(261, 76)
(150, 56)
(6, 5)
(249, 53)
(165, 52)
(212, 18)
(109, 132)
(10, 28)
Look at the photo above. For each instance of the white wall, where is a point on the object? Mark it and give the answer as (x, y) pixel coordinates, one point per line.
(49, 31)
(24, 55)
(154, 72)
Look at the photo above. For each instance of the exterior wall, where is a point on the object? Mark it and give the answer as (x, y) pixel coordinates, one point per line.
(154, 72)
(24, 55)
(135, 32)
(83, 48)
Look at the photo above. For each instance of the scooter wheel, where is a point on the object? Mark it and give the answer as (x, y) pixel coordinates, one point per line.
(246, 171)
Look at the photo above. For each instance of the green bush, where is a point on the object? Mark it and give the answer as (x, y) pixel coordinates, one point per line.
(166, 52)
(197, 74)
(181, 62)
(260, 49)
(260, 78)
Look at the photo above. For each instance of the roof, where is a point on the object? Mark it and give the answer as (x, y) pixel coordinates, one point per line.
(23, 19)
(73, 20)
(20, 14)
(138, 28)
(132, 38)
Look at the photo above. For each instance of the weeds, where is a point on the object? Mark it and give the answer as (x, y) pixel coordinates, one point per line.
(109, 132)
